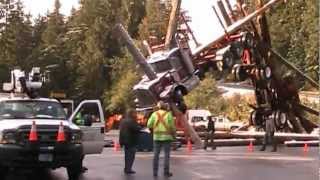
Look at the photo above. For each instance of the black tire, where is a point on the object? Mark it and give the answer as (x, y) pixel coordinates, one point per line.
(233, 128)
(228, 60)
(241, 74)
(280, 119)
(74, 170)
(252, 121)
(248, 40)
(265, 73)
(182, 107)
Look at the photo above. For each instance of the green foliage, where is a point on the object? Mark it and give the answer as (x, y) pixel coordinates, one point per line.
(294, 32)
(156, 20)
(206, 96)
(124, 77)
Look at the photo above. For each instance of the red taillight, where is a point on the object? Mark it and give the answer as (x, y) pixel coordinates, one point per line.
(61, 136)
(33, 135)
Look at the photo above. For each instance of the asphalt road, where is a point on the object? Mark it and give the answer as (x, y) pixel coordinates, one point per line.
(225, 163)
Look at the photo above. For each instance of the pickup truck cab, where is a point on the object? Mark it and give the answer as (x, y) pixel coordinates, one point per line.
(222, 123)
(198, 118)
(36, 133)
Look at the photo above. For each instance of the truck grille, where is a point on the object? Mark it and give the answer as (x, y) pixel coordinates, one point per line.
(45, 136)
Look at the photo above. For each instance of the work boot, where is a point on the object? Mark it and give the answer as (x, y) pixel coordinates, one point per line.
(84, 169)
(263, 148)
(129, 172)
(169, 174)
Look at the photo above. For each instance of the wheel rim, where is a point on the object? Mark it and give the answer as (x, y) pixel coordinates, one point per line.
(283, 119)
(268, 72)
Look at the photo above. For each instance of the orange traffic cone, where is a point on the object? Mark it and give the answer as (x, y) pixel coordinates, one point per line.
(61, 136)
(305, 148)
(116, 146)
(250, 147)
(189, 146)
(33, 135)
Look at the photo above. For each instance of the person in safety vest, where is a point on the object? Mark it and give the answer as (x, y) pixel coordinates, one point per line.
(163, 126)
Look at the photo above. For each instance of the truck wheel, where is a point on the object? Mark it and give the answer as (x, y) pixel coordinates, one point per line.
(248, 40)
(74, 170)
(228, 60)
(233, 128)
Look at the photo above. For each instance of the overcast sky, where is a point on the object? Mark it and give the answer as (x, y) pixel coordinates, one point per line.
(204, 22)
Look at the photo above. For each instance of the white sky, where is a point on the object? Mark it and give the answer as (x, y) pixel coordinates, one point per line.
(204, 22)
(36, 7)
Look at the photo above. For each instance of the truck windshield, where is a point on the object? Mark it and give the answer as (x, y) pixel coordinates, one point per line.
(31, 110)
(161, 66)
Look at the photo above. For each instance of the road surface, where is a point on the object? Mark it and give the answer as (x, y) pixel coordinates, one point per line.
(226, 163)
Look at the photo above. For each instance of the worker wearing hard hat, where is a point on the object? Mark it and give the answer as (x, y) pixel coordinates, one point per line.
(163, 126)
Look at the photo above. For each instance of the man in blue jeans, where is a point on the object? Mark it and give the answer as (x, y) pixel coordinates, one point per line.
(163, 126)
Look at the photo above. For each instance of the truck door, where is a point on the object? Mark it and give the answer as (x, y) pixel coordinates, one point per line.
(89, 117)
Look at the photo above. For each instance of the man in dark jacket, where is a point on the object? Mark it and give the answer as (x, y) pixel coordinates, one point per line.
(129, 134)
(210, 133)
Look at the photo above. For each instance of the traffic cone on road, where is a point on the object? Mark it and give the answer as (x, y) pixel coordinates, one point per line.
(250, 147)
(189, 146)
(33, 135)
(116, 146)
(61, 136)
(305, 148)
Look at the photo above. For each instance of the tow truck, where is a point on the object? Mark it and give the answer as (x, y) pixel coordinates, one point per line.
(36, 133)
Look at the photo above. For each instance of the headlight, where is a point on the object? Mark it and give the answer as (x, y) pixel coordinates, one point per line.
(8, 138)
(76, 138)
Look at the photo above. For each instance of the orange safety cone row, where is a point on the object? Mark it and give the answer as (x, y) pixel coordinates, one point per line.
(189, 146)
(116, 146)
(305, 148)
(250, 147)
(61, 136)
(33, 135)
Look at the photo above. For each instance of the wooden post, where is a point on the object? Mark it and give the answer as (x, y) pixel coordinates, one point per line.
(224, 13)
(137, 55)
(173, 23)
(187, 127)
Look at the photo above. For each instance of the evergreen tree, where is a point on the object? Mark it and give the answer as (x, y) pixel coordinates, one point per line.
(294, 33)
(97, 19)
(156, 20)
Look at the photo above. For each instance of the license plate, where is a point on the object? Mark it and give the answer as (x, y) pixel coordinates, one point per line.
(45, 157)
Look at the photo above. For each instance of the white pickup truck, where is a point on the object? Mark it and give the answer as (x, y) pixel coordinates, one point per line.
(222, 123)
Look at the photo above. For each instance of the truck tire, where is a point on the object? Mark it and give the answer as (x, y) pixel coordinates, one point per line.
(74, 170)
(233, 128)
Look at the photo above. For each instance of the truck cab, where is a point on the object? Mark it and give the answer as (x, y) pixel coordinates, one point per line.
(224, 124)
(19, 114)
(175, 77)
(36, 132)
(198, 118)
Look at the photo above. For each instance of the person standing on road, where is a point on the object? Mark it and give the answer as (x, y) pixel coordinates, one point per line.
(269, 135)
(210, 133)
(129, 134)
(163, 126)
